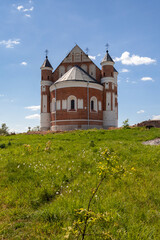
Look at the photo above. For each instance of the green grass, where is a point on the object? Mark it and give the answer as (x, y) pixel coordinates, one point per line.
(40, 188)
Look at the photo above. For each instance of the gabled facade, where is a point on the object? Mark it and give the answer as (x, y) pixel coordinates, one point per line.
(79, 95)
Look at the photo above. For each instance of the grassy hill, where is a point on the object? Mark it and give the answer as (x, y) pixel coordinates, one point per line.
(44, 178)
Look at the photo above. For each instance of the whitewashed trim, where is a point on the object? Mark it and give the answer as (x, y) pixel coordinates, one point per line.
(106, 63)
(108, 79)
(46, 83)
(46, 68)
(80, 120)
(70, 84)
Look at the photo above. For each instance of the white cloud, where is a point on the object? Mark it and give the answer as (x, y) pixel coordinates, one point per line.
(126, 59)
(147, 79)
(28, 9)
(10, 43)
(124, 70)
(98, 55)
(92, 57)
(34, 116)
(24, 63)
(1, 95)
(156, 117)
(140, 111)
(33, 108)
(20, 7)
(28, 15)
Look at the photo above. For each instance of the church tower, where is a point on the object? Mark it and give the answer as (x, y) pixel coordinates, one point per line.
(46, 82)
(110, 103)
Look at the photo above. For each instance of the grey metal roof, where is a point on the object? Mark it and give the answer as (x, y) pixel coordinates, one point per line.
(107, 58)
(46, 63)
(115, 70)
(76, 74)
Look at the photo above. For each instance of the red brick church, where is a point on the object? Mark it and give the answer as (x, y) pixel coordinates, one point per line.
(79, 95)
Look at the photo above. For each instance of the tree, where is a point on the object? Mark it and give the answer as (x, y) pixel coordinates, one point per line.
(3, 129)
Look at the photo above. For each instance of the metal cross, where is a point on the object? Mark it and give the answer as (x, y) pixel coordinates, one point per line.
(87, 50)
(46, 53)
(107, 46)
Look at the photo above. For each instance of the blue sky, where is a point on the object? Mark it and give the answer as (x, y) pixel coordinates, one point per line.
(28, 27)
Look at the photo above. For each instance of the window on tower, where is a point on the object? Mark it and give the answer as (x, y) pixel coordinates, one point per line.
(72, 104)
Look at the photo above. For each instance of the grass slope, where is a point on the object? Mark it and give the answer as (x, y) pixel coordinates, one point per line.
(42, 183)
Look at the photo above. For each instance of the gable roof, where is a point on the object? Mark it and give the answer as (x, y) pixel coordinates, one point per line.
(72, 50)
(76, 73)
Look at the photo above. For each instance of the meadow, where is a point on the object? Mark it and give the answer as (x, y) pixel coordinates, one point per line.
(45, 178)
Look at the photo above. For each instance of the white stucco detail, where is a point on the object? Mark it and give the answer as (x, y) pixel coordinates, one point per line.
(108, 101)
(110, 119)
(92, 70)
(99, 105)
(70, 84)
(70, 98)
(113, 101)
(44, 103)
(43, 88)
(107, 79)
(94, 99)
(61, 71)
(107, 63)
(46, 83)
(45, 121)
(58, 104)
(53, 105)
(46, 68)
(73, 127)
(84, 67)
(80, 103)
(64, 104)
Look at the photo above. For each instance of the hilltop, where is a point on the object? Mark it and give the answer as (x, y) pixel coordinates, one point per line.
(44, 178)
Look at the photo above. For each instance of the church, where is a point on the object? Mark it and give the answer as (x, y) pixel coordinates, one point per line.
(78, 94)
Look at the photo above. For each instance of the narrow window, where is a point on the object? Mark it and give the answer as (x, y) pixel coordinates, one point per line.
(104, 74)
(48, 77)
(72, 104)
(92, 105)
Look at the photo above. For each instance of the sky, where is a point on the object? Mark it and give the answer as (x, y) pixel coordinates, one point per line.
(29, 27)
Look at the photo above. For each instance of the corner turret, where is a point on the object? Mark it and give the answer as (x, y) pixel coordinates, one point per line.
(109, 81)
(46, 82)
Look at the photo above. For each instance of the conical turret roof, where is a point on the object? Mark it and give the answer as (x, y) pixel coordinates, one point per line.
(107, 58)
(46, 64)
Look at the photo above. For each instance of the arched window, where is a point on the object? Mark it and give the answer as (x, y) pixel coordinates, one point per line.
(93, 104)
(92, 70)
(69, 67)
(84, 67)
(61, 71)
(72, 103)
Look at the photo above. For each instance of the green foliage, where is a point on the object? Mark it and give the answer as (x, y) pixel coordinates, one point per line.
(126, 124)
(45, 178)
(3, 129)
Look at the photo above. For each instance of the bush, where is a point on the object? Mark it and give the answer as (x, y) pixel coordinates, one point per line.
(126, 124)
